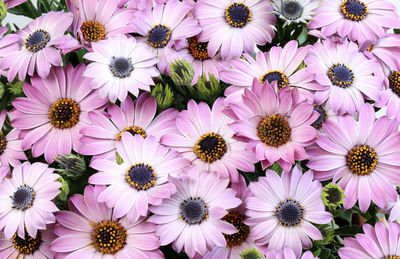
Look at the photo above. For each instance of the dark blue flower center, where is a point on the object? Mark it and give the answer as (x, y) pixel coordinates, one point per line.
(281, 78)
(322, 116)
(141, 176)
(354, 10)
(237, 15)
(23, 197)
(159, 36)
(37, 40)
(121, 67)
(289, 213)
(341, 76)
(292, 10)
(193, 210)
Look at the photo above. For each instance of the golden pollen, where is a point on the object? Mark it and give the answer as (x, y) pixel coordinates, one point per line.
(108, 237)
(133, 130)
(394, 82)
(237, 15)
(93, 31)
(3, 143)
(275, 75)
(392, 257)
(198, 49)
(37, 40)
(210, 147)
(64, 113)
(274, 130)
(27, 246)
(159, 36)
(340, 75)
(243, 230)
(354, 10)
(361, 160)
(141, 176)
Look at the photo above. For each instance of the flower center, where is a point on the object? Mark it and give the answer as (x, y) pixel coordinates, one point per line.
(121, 67)
(243, 230)
(198, 49)
(28, 245)
(93, 31)
(64, 113)
(271, 76)
(237, 15)
(398, 189)
(334, 195)
(289, 213)
(354, 10)
(37, 40)
(3, 143)
(394, 82)
(274, 130)
(341, 76)
(210, 147)
(193, 210)
(361, 160)
(159, 36)
(322, 116)
(108, 237)
(133, 130)
(292, 10)
(23, 197)
(392, 257)
(141, 176)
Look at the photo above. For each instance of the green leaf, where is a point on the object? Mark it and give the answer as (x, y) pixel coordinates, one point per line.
(303, 36)
(348, 230)
(325, 252)
(119, 158)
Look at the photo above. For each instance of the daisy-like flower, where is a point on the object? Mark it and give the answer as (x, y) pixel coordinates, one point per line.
(283, 208)
(287, 253)
(192, 217)
(295, 11)
(363, 154)
(28, 247)
(8, 43)
(235, 26)
(137, 117)
(26, 199)
(13, 3)
(238, 242)
(36, 49)
(394, 208)
(96, 20)
(91, 230)
(279, 64)
(54, 111)
(120, 65)
(381, 241)
(195, 52)
(164, 24)
(276, 126)
(10, 145)
(141, 179)
(343, 75)
(205, 139)
(360, 20)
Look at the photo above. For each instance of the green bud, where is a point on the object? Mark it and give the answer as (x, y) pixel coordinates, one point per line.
(207, 91)
(63, 196)
(332, 196)
(15, 87)
(72, 166)
(251, 253)
(119, 158)
(3, 10)
(182, 72)
(164, 96)
(1, 90)
(327, 235)
(277, 168)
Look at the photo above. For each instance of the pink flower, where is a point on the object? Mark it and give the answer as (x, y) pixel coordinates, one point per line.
(283, 208)
(36, 49)
(120, 65)
(287, 253)
(26, 199)
(276, 126)
(205, 139)
(54, 111)
(192, 217)
(359, 20)
(143, 177)
(13, 3)
(162, 26)
(235, 26)
(84, 231)
(378, 242)
(362, 155)
(137, 117)
(344, 76)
